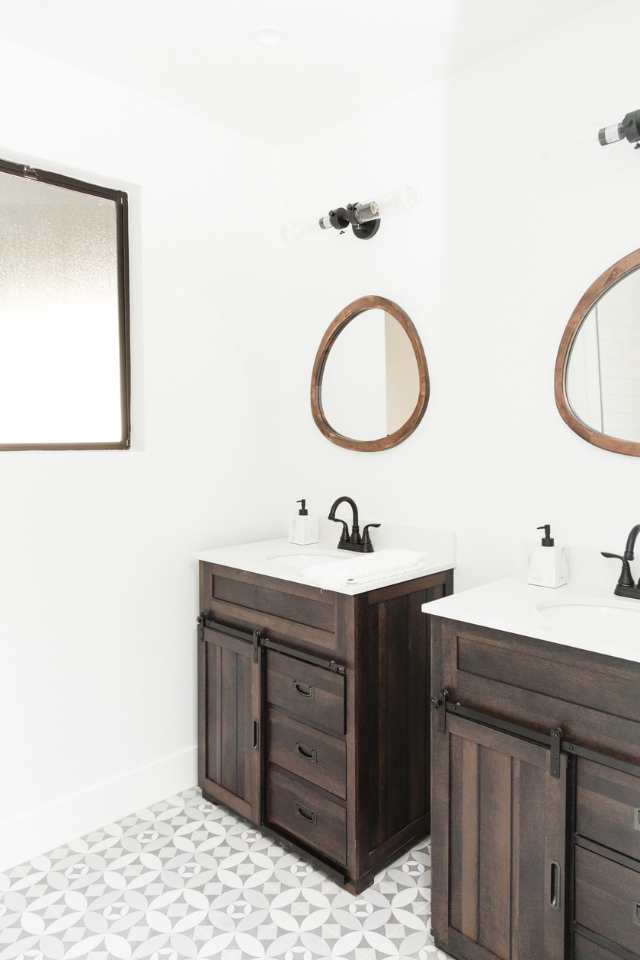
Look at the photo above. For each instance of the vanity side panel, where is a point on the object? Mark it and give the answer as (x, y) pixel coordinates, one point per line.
(394, 716)
(350, 639)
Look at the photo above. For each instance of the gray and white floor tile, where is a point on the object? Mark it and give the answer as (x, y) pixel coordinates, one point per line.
(186, 879)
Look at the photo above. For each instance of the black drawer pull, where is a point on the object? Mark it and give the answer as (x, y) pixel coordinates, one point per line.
(304, 689)
(636, 914)
(307, 815)
(306, 753)
(554, 886)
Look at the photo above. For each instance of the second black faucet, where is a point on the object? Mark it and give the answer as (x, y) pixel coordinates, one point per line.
(626, 587)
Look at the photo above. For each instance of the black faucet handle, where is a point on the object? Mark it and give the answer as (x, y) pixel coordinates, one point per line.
(344, 536)
(626, 577)
(366, 537)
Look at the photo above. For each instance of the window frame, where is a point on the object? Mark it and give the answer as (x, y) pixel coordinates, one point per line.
(120, 199)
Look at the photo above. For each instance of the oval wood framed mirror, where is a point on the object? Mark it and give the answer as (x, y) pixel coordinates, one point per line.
(597, 374)
(370, 381)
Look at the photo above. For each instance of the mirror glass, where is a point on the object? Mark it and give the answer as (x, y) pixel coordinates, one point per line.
(371, 381)
(62, 382)
(602, 378)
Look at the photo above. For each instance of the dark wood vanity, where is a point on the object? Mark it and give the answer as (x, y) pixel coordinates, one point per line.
(536, 798)
(314, 714)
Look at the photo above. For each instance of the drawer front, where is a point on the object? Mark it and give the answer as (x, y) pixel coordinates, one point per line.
(315, 609)
(307, 752)
(521, 681)
(306, 813)
(608, 899)
(585, 949)
(608, 807)
(312, 694)
(290, 612)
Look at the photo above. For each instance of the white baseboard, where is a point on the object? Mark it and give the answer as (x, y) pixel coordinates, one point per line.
(33, 832)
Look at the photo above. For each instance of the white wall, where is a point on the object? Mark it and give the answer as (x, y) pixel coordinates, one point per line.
(499, 208)
(97, 577)
(519, 210)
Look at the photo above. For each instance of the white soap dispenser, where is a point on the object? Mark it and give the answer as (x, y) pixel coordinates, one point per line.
(304, 528)
(548, 565)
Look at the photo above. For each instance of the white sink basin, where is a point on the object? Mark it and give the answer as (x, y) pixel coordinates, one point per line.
(332, 568)
(323, 566)
(300, 562)
(604, 620)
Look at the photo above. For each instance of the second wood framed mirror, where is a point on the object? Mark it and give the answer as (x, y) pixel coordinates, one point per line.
(370, 381)
(597, 385)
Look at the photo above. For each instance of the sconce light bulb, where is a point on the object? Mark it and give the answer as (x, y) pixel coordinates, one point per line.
(367, 211)
(627, 129)
(610, 134)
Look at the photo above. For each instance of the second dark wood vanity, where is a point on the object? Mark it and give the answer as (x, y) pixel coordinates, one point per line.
(536, 798)
(314, 713)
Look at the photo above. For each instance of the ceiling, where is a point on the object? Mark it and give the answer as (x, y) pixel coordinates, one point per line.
(278, 69)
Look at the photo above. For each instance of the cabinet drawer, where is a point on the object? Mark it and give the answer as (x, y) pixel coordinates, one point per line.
(307, 752)
(608, 807)
(290, 612)
(314, 608)
(307, 814)
(585, 949)
(311, 693)
(608, 899)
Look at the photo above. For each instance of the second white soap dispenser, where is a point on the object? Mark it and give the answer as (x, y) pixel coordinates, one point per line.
(304, 528)
(548, 565)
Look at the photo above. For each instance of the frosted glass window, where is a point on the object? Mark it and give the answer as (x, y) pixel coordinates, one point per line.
(64, 349)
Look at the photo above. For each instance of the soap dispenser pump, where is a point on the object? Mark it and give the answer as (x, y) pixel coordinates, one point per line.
(304, 528)
(548, 563)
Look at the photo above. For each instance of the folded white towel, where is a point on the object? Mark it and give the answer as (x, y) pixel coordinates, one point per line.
(365, 568)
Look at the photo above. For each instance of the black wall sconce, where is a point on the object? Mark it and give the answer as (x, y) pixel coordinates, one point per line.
(363, 218)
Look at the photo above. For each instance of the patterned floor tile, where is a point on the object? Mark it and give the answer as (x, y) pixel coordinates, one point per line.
(187, 879)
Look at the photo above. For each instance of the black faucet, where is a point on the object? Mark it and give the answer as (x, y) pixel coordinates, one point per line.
(626, 587)
(352, 540)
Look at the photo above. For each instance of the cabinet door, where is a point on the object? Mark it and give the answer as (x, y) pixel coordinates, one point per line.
(498, 839)
(229, 715)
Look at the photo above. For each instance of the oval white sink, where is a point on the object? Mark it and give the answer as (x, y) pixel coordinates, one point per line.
(304, 556)
(299, 562)
(604, 620)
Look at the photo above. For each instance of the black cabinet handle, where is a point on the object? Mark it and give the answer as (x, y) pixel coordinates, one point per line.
(304, 689)
(306, 753)
(307, 815)
(256, 735)
(554, 886)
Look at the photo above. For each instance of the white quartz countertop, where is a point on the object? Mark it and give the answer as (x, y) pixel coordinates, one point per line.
(597, 622)
(322, 565)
